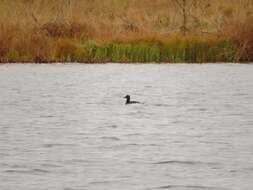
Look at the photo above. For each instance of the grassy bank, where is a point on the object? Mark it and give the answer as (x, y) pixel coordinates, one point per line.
(171, 50)
(130, 31)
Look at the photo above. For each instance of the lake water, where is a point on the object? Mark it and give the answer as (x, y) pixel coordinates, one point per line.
(66, 127)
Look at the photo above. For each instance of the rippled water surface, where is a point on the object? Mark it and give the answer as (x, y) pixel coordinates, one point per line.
(66, 127)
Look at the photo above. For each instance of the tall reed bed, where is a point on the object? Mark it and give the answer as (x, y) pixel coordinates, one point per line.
(129, 31)
(74, 42)
(172, 50)
(22, 46)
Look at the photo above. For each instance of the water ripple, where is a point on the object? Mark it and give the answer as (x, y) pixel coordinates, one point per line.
(32, 171)
(184, 162)
(194, 187)
(51, 145)
(111, 138)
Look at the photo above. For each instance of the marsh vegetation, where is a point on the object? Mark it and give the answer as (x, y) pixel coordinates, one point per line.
(128, 31)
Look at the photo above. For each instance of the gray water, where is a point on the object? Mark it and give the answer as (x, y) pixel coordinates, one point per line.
(66, 127)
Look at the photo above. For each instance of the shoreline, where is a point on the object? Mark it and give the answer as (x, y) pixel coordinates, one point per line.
(124, 32)
(146, 50)
(129, 63)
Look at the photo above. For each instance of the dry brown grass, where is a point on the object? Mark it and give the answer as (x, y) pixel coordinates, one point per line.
(65, 50)
(243, 35)
(68, 30)
(33, 30)
(119, 16)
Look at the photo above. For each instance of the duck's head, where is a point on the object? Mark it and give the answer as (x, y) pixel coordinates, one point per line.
(127, 97)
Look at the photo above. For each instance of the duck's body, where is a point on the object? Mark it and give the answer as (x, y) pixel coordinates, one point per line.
(128, 101)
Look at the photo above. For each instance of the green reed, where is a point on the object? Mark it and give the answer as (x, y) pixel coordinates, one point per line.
(175, 50)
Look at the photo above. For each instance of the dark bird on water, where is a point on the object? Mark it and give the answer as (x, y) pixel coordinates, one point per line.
(128, 101)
